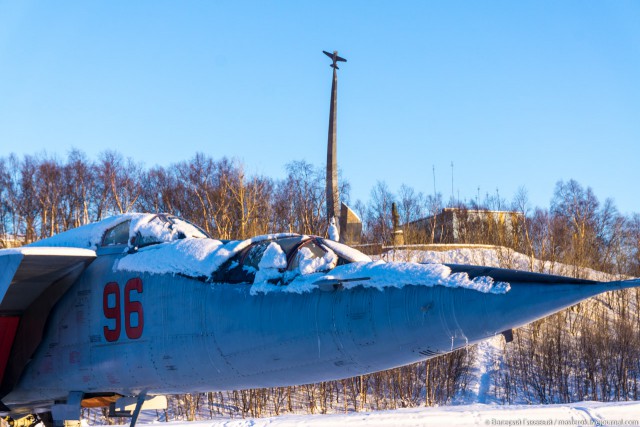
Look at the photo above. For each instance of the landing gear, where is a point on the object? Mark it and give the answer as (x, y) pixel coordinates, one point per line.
(136, 412)
(67, 414)
(131, 406)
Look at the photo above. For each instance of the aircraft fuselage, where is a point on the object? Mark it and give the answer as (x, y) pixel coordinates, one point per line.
(128, 332)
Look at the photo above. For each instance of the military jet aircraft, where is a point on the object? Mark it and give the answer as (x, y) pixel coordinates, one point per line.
(140, 305)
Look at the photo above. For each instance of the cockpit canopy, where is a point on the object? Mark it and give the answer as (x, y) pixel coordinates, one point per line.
(281, 258)
(159, 228)
(182, 248)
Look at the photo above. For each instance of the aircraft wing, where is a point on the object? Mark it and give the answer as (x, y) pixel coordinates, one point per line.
(330, 55)
(32, 280)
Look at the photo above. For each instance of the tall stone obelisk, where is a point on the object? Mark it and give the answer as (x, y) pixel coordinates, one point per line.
(333, 196)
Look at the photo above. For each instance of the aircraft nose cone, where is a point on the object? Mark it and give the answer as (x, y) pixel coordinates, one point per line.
(397, 326)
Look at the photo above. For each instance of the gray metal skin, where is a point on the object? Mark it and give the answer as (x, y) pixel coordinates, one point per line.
(201, 336)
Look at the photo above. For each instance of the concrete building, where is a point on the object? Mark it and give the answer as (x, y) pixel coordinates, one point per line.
(350, 226)
(456, 225)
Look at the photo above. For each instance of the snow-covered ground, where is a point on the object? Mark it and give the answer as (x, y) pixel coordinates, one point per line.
(575, 414)
(487, 361)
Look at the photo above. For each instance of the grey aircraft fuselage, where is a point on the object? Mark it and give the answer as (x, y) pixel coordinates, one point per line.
(128, 333)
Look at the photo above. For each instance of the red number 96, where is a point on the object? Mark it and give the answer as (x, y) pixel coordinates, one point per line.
(133, 313)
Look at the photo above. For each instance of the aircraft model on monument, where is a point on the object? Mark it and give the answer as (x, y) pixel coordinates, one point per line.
(142, 305)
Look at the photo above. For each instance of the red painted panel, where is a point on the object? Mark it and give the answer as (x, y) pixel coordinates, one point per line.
(8, 328)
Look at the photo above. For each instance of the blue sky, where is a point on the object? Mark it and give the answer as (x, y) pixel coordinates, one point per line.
(514, 93)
